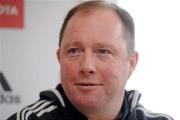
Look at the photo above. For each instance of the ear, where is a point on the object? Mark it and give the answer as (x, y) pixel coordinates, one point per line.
(133, 62)
(58, 55)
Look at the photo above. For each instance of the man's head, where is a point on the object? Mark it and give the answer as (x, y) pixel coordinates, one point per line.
(94, 58)
(124, 17)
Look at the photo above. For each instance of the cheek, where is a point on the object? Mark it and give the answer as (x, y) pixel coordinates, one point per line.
(113, 71)
(68, 71)
(114, 76)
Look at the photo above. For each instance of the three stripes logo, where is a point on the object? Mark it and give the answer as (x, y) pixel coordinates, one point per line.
(6, 94)
(4, 83)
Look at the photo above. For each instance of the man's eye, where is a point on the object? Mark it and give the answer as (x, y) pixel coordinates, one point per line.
(74, 51)
(103, 51)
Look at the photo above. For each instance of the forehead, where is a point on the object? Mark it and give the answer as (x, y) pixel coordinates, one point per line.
(99, 19)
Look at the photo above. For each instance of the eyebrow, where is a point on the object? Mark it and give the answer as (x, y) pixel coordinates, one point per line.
(103, 45)
(106, 45)
(95, 45)
(76, 43)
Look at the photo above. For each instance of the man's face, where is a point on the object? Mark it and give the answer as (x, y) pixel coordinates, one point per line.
(94, 61)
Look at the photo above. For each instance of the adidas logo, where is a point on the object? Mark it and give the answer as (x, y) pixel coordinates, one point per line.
(4, 83)
(6, 94)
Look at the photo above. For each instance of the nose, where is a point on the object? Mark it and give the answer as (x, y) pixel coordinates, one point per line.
(88, 66)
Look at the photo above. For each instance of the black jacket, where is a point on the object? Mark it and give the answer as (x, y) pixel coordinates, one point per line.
(54, 105)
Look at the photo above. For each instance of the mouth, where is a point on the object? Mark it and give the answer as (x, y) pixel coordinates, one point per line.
(88, 87)
(88, 84)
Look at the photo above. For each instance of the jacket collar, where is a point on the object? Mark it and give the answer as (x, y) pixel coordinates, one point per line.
(130, 101)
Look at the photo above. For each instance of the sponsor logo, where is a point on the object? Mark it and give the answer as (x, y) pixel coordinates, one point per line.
(4, 83)
(8, 10)
(6, 94)
(12, 13)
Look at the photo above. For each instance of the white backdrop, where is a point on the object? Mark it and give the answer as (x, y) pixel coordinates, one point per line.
(28, 56)
(158, 43)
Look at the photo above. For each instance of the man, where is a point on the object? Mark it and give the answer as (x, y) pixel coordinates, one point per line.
(97, 57)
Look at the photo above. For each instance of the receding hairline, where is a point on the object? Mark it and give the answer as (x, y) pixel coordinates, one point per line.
(93, 4)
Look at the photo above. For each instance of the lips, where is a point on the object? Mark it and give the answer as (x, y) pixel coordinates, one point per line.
(88, 87)
(88, 84)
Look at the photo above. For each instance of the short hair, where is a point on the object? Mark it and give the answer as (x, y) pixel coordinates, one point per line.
(125, 19)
